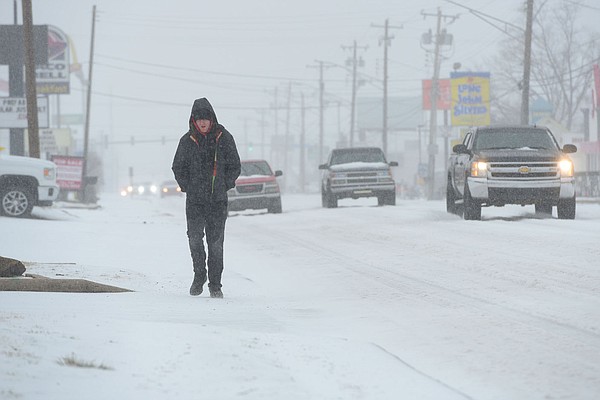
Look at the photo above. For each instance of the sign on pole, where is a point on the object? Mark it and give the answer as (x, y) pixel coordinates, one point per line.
(53, 77)
(443, 97)
(13, 112)
(470, 98)
(69, 172)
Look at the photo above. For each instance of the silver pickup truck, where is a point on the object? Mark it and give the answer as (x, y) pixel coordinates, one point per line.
(26, 182)
(357, 172)
(498, 165)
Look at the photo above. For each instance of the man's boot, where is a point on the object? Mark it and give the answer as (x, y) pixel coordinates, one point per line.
(215, 293)
(197, 285)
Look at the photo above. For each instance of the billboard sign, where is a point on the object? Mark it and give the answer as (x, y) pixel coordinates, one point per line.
(53, 77)
(13, 112)
(443, 97)
(470, 98)
(69, 172)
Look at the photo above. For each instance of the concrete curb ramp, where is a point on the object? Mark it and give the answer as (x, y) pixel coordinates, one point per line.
(38, 283)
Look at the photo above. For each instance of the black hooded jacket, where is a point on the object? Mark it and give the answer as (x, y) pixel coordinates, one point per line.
(206, 165)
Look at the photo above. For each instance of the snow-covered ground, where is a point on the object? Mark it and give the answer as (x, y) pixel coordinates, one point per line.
(358, 302)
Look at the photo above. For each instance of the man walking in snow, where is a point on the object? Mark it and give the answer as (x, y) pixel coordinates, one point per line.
(206, 165)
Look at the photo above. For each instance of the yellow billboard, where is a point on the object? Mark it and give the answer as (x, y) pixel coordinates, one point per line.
(470, 103)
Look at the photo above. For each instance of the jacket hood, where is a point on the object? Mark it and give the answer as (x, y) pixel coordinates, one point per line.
(203, 104)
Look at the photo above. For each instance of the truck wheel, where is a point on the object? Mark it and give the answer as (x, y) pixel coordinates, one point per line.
(275, 207)
(330, 200)
(391, 198)
(543, 209)
(472, 209)
(323, 198)
(16, 202)
(450, 199)
(566, 208)
(387, 199)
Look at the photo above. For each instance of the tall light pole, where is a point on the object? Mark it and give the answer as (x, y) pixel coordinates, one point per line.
(89, 99)
(321, 65)
(354, 61)
(527, 65)
(432, 149)
(387, 42)
(32, 109)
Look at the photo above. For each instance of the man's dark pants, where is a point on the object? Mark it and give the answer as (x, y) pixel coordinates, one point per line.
(209, 218)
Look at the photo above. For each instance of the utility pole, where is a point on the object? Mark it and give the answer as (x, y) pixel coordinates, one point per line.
(15, 89)
(287, 135)
(321, 103)
(354, 62)
(88, 102)
(32, 109)
(302, 151)
(527, 65)
(432, 149)
(262, 134)
(387, 42)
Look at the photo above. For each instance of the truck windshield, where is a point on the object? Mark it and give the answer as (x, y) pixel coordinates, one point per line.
(357, 155)
(256, 168)
(513, 139)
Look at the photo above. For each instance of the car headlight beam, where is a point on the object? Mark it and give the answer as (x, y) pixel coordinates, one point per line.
(479, 169)
(566, 168)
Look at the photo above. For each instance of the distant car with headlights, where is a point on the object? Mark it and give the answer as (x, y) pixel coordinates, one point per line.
(498, 165)
(26, 182)
(357, 172)
(256, 188)
(170, 188)
(140, 189)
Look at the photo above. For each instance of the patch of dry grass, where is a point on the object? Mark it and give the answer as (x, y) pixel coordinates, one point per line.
(72, 361)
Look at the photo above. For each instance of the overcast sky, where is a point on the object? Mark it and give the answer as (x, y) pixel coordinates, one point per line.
(153, 58)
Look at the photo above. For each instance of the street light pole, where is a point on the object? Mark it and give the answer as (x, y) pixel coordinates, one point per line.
(527, 65)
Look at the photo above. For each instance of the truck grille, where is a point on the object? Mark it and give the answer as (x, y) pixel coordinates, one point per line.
(524, 170)
(245, 189)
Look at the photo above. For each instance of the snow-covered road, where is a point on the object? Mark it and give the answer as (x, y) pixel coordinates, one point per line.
(358, 302)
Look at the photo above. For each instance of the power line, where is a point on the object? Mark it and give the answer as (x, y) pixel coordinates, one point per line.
(229, 74)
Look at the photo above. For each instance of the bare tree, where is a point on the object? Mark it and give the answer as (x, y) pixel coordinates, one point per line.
(561, 70)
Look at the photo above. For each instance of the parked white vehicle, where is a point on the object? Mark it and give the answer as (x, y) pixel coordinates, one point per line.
(26, 182)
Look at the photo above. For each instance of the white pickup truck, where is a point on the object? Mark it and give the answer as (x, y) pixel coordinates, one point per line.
(24, 183)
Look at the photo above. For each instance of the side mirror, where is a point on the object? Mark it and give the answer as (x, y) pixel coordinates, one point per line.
(278, 172)
(323, 166)
(393, 163)
(460, 149)
(569, 148)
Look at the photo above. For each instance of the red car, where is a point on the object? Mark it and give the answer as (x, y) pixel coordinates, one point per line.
(256, 188)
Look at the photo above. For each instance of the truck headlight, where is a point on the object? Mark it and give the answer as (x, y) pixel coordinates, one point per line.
(566, 168)
(271, 187)
(479, 169)
(49, 173)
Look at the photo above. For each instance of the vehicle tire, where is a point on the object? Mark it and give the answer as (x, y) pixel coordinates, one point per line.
(566, 208)
(332, 201)
(451, 206)
(543, 209)
(275, 206)
(390, 198)
(329, 200)
(472, 209)
(387, 199)
(16, 202)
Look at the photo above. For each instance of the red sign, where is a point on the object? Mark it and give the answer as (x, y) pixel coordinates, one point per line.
(69, 173)
(444, 96)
